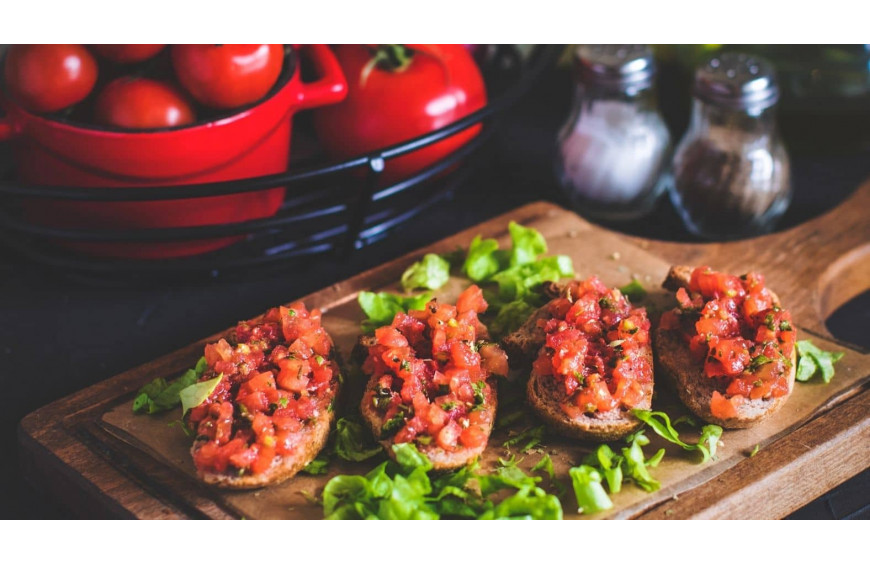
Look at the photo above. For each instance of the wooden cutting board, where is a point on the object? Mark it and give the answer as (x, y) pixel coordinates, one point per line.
(89, 451)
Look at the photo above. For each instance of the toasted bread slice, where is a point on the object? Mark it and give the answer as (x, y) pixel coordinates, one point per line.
(695, 389)
(441, 459)
(545, 395)
(311, 440)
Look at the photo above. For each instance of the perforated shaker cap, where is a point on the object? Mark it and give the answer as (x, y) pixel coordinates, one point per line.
(617, 66)
(738, 81)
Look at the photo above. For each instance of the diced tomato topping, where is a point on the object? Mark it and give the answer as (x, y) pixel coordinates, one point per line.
(744, 339)
(283, 376)
(430, 371)
(725, 408)
(594, 345)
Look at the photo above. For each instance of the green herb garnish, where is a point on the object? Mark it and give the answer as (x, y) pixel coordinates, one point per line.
(634, 290)
(159, 396)
(659, 422)
(814, 360)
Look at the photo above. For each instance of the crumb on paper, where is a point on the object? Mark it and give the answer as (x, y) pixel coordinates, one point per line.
(572, 234)
(675, 497)
(615, 255)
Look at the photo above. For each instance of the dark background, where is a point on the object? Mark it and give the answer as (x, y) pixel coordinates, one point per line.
(60, 336)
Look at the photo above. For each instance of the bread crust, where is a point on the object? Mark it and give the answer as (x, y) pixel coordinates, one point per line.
(687, 377)
(440, 458)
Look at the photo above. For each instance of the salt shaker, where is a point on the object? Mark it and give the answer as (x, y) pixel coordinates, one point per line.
(731, 170)
(614, 146)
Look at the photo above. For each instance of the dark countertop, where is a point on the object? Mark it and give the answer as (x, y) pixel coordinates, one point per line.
(60, 336)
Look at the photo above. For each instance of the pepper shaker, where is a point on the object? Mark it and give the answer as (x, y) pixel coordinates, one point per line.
(731, 170)
(615, 145)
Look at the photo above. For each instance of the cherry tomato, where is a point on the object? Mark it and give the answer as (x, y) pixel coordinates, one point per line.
(48, 78)
(133, 53)
(141, 103)
(227, 76)
(388, 102)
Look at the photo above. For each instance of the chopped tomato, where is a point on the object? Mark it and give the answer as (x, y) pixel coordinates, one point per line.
(725, 408)
(592, 339)
(431, 357)
(273, 383)
(743, 339)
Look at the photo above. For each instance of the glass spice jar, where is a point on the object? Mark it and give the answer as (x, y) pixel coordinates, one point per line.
(731, 170)
(615, 145)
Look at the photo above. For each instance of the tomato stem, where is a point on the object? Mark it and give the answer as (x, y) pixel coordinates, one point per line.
(392, 57)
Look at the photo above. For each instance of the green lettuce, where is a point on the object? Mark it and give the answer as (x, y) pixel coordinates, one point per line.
(407, 488)
(382, 307)
(431, 273)
(659, 422)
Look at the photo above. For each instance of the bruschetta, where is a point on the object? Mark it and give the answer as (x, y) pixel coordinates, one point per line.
(270, 412)
(592, 363)
(432, 381)
(729, 348)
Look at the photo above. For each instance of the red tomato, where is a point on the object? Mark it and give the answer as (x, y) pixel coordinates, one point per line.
(142, 103)
(439, 85)
(228, 76)
(48, 78)
(133, 53)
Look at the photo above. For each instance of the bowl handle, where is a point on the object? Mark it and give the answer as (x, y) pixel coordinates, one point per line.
(331, 87)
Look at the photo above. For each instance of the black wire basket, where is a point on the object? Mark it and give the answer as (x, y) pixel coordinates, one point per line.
(326, 210)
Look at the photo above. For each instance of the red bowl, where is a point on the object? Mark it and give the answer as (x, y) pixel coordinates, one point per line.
(253, 142)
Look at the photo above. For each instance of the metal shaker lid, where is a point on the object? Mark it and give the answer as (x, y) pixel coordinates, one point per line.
(616, 65)
(738, 81)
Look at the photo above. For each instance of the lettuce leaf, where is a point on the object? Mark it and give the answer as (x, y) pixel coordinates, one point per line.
(659, 422)
(382, 307)
(404, 489)
(431, 273)
(814, 360)
(482, 260)
(590, 494)
(352, 442)
(527, 244)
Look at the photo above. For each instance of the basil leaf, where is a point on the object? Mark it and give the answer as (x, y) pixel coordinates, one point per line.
(382, 307)
(482, 261)
(590, 494)
(527, 244)
(158, 395)
(813, 359)
(634, 290)
(352, 441)
(195, 394)
(431, 273)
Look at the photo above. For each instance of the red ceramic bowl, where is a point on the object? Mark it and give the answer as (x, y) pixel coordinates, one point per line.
(253, 142)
